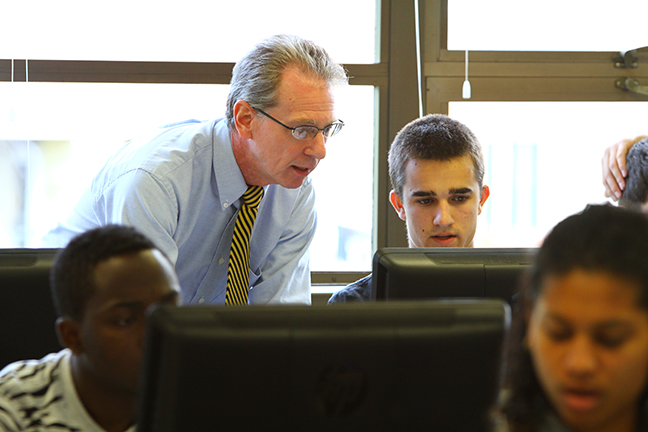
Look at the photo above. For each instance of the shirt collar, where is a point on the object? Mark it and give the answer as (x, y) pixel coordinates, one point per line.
(229, 179)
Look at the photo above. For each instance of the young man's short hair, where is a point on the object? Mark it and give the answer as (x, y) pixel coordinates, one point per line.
(433, 137)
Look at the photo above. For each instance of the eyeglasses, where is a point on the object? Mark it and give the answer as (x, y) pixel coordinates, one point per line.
(308, 132)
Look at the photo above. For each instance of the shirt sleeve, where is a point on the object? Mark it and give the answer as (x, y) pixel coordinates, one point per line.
(359, 290)
(140, 199)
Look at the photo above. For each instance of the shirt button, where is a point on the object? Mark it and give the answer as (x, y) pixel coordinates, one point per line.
(225, 204)
(201, 300)
(221, 261)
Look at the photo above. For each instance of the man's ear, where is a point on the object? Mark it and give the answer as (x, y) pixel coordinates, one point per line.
(396, 202)
(69, 334)
(243, 116)
(485, 193)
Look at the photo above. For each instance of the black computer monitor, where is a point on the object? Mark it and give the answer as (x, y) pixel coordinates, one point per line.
(425, 273)
(373, 366)
(27, 315)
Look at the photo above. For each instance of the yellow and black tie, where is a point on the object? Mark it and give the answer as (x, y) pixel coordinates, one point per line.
(239, 263)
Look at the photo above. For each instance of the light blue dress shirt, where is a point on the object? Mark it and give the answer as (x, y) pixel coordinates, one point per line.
(180, 186)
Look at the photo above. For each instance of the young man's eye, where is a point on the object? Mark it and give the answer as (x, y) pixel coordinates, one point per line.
(124, 321)
(424, 201)
(460, 199)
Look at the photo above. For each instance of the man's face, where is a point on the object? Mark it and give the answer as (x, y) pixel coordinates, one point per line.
(112, 329)
(440, 202)
(277, 156)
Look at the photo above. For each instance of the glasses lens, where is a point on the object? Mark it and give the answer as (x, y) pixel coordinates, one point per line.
(305, 132)
(332, 129)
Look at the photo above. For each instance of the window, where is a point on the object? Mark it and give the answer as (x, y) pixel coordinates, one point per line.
(97, 76)
(544, 102)
(195, 31)
(549, 25)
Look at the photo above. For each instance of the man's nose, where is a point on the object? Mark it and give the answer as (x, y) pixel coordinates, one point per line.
(316, 146)
(443, 216)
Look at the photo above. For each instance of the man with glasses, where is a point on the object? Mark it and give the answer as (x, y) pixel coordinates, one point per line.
(183, 185)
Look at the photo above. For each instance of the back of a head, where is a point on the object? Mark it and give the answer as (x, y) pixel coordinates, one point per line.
(256, 77)
(433, 137)
(72, 274)
(635, 193)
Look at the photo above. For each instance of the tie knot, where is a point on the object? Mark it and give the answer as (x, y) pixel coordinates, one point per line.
(252, 196)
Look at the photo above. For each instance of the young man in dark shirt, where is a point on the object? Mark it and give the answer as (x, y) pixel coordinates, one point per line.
(436, 167)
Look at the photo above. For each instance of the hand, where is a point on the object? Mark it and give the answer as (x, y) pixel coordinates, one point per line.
(614, 166)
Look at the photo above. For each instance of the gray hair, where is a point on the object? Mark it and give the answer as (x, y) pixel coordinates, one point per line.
(256, 77)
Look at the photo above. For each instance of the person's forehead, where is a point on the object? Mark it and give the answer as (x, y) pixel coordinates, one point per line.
(589, 296)
(455, 173)
(131, 277)
(305, 98)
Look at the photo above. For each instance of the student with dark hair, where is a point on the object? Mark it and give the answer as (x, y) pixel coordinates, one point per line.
(579, 342)
(102, 283)
(436, 167)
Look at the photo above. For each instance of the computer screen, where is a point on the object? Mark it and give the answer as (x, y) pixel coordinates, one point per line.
(373, 366)
(419, 273)
(27, 315)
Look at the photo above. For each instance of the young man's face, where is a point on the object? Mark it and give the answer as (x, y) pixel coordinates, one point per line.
(112, 329)
(440, 202)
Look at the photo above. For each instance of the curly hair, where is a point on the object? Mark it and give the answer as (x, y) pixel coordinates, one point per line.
(636, 190)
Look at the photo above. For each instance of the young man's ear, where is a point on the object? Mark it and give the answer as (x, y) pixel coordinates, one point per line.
(485, 193)
(243, 116)
(396, 202)
(68, 332)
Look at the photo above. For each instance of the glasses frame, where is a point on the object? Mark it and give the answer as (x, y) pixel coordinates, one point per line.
(339, 123)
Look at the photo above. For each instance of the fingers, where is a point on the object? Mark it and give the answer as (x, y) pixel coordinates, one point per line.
(613, 166)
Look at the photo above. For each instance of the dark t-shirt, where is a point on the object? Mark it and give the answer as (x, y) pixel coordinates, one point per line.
(359, 290)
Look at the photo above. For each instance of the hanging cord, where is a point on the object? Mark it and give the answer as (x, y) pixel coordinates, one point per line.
(28, 187)
(12, 111)
(418, 57)
(465, 90)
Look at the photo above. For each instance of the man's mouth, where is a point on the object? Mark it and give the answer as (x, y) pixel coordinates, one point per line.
(301, 170)
(304, 170)
(444, 239)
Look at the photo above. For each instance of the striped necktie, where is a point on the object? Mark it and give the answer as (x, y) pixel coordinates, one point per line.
(238, 277)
